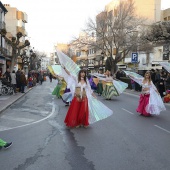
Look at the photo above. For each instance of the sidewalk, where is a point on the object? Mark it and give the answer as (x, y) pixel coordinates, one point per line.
(8, 100)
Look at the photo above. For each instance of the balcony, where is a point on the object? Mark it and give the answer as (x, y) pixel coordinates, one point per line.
(2, 25)
(22, 16)
(6, 51)
(21, 29)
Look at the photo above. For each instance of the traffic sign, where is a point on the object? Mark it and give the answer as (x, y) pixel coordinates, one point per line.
(134, 58)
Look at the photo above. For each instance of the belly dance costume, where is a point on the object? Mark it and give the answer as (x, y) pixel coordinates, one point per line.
(109, 89)
(78, 112)
(144, 99)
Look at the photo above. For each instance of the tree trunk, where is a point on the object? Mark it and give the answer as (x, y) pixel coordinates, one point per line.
(14, 59)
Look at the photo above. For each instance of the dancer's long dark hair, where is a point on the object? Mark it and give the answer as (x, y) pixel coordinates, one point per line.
(79, 75)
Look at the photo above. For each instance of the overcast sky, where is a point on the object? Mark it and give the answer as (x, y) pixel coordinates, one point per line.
(57, 21)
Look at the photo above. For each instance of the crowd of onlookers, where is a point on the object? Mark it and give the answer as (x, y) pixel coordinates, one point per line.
(19, 80)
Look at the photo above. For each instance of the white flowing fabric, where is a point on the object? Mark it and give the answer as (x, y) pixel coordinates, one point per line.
(165, 65)
(97, 110)
(119, 85)
(156, 104)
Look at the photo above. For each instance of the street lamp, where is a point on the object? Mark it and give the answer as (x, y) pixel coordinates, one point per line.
(102, 58)
(87, 61)
(32, 56)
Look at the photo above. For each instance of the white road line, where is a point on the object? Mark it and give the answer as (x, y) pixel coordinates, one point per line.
(3, 128)
(33, 111)
(128, 111)
(26, 120)
(28, 124)
(162, 129)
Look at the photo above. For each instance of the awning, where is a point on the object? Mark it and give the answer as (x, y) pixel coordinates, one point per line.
(119, 66)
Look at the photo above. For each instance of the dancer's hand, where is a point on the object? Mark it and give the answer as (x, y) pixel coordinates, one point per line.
(94, 95)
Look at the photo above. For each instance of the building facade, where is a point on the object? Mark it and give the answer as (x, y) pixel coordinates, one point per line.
(151, 10)
(15, 22)
(3, 57)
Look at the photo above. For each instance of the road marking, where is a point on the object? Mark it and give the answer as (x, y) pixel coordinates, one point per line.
(162, 129)
(3, 128)
(32, 111)
(128, 111)
(38, 121)
(26, 120)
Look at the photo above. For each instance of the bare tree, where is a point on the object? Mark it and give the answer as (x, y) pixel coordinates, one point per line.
(15, 44)
(37, 56)
(158, 33)
(115, 33)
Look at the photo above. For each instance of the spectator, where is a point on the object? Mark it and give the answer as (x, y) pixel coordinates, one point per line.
(118, 75)
(161, 85)
(8, 75)
(34, 80)
(40, 78)
(51, 77)
(23, 81)
(13, 80)
(153, 75)
(18, 79)
(133, 85)
(157, 77)
(30, 82)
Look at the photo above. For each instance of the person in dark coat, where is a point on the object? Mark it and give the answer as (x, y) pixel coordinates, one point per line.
(23, 81)
(153, 74)
(51, 77)
(7, 75)
(161, 85)
(18, 75)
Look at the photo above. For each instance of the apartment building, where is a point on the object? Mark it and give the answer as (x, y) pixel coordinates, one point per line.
(3, 57)
(45, 61)
(165, 15)
(150, 9)
(15, 22)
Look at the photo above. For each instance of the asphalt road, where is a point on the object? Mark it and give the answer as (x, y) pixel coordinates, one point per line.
(124, 141)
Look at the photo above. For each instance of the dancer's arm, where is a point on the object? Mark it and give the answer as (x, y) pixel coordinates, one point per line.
(66, 70)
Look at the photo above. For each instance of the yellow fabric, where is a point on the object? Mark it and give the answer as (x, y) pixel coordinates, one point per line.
(96, 81)
(51, 70)
(63, 87)
(109, 83)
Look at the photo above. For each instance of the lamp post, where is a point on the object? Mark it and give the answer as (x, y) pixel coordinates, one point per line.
(32, 56)
(87, 61)
(94, 60)
(102, 58)
(25, 61)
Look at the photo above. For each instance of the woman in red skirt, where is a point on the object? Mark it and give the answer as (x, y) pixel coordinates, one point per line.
(78, 112)
(144, 97)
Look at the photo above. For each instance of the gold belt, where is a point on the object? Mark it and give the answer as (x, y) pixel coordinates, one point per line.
(80, 94)
(109, 83)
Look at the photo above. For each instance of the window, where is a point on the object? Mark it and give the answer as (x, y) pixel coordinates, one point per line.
(165, 19)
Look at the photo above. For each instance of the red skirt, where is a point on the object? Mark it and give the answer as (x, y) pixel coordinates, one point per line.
(143, 102)
(78, 113)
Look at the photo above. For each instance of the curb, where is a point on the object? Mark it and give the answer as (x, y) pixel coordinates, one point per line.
(9, 104)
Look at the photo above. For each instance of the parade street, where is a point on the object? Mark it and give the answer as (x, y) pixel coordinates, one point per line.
(123, 141)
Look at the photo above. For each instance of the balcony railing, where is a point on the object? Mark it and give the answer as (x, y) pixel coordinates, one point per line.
(6, 51)
(2, 25)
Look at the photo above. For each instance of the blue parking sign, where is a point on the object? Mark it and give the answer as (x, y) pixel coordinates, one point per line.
(134, 58)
